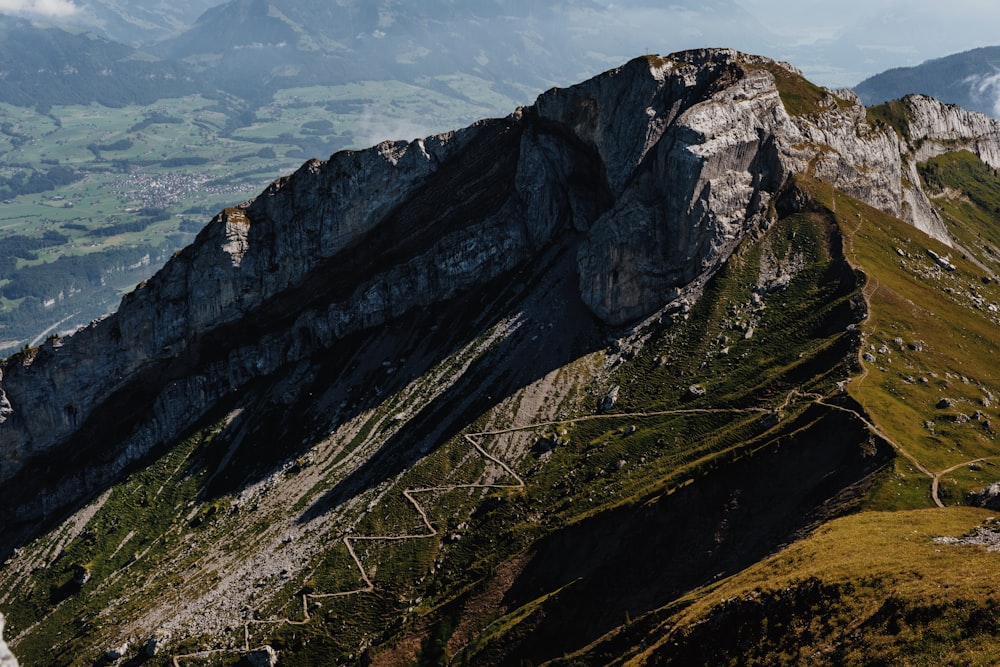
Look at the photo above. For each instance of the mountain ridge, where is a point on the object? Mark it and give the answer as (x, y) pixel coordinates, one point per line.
(373, 310)
(42, 65)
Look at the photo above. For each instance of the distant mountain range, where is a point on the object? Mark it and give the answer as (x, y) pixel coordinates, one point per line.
(970, 79)
(139, 22)
(43, 65)
(252, 47)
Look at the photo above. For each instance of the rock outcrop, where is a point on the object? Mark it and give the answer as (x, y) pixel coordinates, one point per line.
(655, 170)
(988, 497)
(933, 129)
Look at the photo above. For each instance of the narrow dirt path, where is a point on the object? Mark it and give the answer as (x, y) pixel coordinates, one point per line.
(349, 541)
(872, 287)
(410, 494)
(474, 439)
(936, 481)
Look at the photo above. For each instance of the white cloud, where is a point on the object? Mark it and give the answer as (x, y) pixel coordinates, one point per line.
(378, 123)
(987, 85)
(50, 8)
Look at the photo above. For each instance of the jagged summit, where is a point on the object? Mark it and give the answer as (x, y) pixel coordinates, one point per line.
(371, 307)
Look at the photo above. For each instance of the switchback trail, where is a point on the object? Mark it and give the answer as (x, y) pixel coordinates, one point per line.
(430, 531)
(474, 439)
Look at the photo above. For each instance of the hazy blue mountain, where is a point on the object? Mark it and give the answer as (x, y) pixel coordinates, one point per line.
(139, 22)
(970, 79)
(43, 65)
(252, 47)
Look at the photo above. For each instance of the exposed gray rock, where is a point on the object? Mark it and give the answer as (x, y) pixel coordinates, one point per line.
(655, 171)
(113, 655)
(944, 262)
(610, 399)
(988, 497)
(696, 391)
(154, 644)
(5, 409)
(987, 536)
(7, 658)
(935, 129)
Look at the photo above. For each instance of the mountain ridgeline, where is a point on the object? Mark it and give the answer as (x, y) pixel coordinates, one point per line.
(507, 393)
(968, 79)
(254, 47)
(43, 65)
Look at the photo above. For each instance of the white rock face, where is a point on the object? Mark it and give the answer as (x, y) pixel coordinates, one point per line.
(935, 129)
(653, 171)
(7, 658)
(696, 165)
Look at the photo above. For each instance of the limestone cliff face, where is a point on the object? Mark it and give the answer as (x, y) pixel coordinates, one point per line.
(934, 129)
(655, 170)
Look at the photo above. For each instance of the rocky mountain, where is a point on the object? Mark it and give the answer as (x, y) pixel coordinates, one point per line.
(514, 392)
(969, 79)
(42, 65)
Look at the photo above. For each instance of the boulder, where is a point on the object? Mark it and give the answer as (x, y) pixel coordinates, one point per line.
(696, 391)
(609, 400)
(988, 497)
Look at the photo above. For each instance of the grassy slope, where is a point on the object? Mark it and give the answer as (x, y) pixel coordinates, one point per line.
(933, 337)
(746, 345)
(843, 595)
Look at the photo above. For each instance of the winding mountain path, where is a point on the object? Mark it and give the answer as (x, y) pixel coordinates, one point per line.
(474, 440)
(871, 288)
(410, 494)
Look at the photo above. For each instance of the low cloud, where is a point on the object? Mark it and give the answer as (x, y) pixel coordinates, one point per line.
(377, 124)
(986, 86)
(49, 8)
